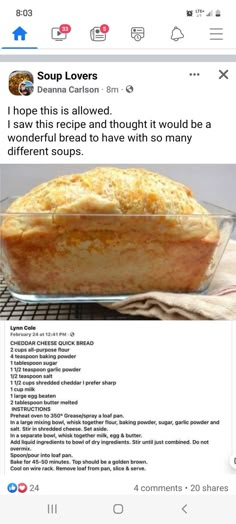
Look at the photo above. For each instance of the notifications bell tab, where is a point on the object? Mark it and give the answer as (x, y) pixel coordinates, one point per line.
(134, 26)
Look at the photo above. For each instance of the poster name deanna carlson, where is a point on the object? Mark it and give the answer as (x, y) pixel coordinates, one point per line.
(70, 89)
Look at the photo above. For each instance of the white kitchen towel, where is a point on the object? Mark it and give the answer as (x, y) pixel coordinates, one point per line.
(219, 303)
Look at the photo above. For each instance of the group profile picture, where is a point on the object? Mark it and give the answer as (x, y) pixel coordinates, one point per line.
(21, 83)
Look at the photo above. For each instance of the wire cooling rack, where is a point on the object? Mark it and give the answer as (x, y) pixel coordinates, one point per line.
(11, 309)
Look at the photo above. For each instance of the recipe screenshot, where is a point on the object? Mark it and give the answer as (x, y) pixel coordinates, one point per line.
(117, 263)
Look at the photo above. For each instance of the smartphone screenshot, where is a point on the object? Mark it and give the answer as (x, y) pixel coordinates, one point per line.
(118, 263)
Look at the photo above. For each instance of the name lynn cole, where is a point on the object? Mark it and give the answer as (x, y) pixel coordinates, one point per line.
(58, 77)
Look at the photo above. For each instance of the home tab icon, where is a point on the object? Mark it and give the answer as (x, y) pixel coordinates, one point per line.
(19, 33)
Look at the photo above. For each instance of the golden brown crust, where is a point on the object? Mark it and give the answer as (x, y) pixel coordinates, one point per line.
(53, 247)
(110, 191)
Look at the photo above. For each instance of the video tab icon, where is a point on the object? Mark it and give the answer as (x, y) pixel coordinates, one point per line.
(57, 35)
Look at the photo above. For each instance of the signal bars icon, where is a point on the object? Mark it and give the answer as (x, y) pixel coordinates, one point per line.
(211, 13)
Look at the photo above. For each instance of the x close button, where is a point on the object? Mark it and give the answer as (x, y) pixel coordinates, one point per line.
(223, 74)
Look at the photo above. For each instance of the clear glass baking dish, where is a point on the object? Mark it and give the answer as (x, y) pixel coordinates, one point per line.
(61, 257)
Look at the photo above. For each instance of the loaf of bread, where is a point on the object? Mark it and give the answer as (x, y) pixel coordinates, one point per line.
(108, 231)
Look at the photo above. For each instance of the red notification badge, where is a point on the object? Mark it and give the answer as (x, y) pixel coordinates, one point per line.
(104, 28)
(65, 28)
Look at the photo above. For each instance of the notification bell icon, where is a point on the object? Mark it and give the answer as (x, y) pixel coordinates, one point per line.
(176, 34)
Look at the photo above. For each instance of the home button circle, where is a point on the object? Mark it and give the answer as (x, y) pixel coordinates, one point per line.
(118, 509)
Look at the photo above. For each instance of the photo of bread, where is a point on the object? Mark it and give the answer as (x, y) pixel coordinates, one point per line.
(108, 231)
(109, 234)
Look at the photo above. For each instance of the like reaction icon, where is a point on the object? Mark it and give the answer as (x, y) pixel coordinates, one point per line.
(12, 487)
